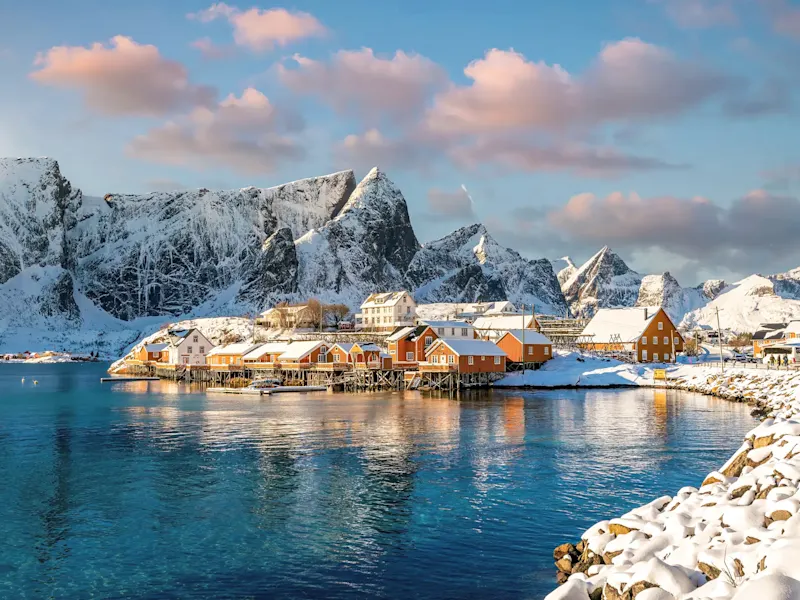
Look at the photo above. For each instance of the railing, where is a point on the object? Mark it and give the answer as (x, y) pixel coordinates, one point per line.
(332, 366)
(437, 368)
(748, 365)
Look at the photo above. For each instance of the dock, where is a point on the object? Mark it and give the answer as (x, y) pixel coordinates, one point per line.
(245, 391)
(123, 379)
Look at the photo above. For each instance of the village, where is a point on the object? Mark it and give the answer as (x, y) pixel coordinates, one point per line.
(394, 343)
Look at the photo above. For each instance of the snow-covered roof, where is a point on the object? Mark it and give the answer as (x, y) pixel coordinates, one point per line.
(233, 349)
(298, 350)
(155, 347)
(504, 323)
(454, 324)
(268, 348)
(285, 309)
(793, 327)
(369, 347)
(770, 331)
(344, 346)
(400, 334)
(530, 336)
(384, 299)
(622, 325)
(469, 347)
(488, 308)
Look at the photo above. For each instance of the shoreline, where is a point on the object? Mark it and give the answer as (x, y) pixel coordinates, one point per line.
(736, 536)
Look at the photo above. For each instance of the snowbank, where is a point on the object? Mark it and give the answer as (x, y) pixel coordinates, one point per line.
(571, 369)
(736, 537)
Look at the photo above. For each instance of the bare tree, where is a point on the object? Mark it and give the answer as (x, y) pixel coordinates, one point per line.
(316, 312)
(282, 311)
(690, 347)
(741, 341)
(337, 312)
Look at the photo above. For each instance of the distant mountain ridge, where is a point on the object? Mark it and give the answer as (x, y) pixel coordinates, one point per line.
(78, 272)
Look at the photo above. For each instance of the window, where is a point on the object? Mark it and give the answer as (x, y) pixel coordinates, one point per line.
(470, 360)
(676, 340)
(409, 356)
(660, 326)
(428, 340)
(408, 310)
(452, 331)
(435, 359)
(323, 349)
(655, 356)
(189, 350)
(666, 341)
(644, 354)
(655, 339)
(547, 350)
(464, 331)
(644, 340)
(530, 350)
(497, 360)
(440, 330)
(202, 349)
(451, 359)
(336, 357)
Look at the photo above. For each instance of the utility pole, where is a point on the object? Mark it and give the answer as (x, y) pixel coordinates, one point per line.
(719, 341)
(523, 338)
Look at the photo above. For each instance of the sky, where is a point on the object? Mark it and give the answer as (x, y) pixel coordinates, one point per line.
(665, 129)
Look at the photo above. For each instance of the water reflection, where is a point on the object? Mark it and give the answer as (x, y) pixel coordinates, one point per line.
(153, 490)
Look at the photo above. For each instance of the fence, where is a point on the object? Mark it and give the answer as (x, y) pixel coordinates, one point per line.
(748, 365)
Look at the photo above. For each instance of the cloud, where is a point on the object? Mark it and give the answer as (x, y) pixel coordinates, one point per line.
(124, 79)
(247, 134)
(210, 50)
(521, 155)
(261, 30)
(164, 185)
(356, 82)
(700, 14)
(747, 234)
(785, 17)
(629, 80)
(455, 205)
(372, 148)
(773, 97)
(783, 177)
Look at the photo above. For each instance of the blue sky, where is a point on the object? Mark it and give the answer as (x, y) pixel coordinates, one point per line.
(654, 105)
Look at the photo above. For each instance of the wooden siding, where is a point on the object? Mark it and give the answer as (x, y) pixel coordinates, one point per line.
(534, 353)
(480, 364)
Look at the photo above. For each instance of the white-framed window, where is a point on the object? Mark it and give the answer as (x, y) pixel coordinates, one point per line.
(452, 331)
(470, 360)
(660, 326)
(644, 340)
(440, 330)
(409, 356)
(336, 357)
(483, 358)
(644, 354)
(497, 360)
(189, 350)
(677, 341)
(195, 339)
(666, 341)
(428, 340)
(435, 359)
(464, 331)
(323, 349)
(655, 339)
(547, 350)
(202, 349)
(655, 356)
(451, 358)
(530, 350)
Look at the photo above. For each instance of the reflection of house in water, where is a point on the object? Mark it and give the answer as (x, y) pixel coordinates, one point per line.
(514, 412)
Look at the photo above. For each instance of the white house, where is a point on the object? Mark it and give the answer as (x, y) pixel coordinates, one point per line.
(287, 317)
(451, 330)
(188, 347)
(387, 311)
(486, 309)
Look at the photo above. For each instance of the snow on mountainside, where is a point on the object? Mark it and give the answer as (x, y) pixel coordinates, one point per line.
(564, 268)
(603, 281)
(665, 291)
(469, 265)
(753, 300)
(367, 247)
(166, 253)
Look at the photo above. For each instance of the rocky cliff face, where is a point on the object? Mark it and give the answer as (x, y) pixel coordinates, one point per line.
(604, 281)
(564, 269)
(469, 265)
(665, 291)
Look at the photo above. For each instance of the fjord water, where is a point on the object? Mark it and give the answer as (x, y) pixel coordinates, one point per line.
(152, 490)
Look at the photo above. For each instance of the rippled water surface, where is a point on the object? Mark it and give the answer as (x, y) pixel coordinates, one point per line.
(152, 490)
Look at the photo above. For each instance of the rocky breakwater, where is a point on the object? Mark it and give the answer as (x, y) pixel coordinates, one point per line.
(736, 537)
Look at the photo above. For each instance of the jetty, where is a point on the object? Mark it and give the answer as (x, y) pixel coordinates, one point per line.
(125, 378)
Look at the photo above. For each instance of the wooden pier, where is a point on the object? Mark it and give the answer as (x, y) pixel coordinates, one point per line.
(336, 376)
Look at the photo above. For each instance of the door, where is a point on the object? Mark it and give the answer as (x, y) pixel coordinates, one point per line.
(185, 359)
(644, 355)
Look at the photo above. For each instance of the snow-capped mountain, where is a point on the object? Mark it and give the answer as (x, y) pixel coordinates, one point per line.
(564, 268)
(469, 265)
(603, 281)
(665, 291)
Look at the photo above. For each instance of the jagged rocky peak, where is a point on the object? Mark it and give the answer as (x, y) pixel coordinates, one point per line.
(368, 246)
(712, 288)
(469, 265)
(564, 268)
(658, 290)
(601, 282)
(37, 207)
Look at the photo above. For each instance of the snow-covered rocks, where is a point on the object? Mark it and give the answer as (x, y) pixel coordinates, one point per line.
(604, 281)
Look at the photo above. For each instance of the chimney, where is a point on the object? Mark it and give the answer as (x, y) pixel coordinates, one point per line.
(645, 313)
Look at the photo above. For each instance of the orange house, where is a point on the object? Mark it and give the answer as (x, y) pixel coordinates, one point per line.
(407, 345)
(151, 353)
(265, 353)
(369, 355)
(304, 354)
(230, 355)
(646, 333)
(537, 347)
(465, 356)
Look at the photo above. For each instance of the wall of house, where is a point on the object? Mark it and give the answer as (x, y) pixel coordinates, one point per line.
(224, 359)
(534, 353)
(480, 364)
(189, 351)
(659, 341)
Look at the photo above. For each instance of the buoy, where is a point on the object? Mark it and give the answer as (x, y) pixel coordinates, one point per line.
(35, 382)
(23, 380)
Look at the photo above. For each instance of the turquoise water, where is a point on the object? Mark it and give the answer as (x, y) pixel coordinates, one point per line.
(151, 490)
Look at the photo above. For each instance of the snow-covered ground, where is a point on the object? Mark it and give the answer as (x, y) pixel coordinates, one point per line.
(737, 536)
(568, 369)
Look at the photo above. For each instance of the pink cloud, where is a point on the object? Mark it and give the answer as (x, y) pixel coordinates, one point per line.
(372, 148)
(700, 14)
(124, 79)
(210, 50)
(785, 17)
(455, 205)
(261, 30)
(358, 82)
(247, 134)
(630, 79)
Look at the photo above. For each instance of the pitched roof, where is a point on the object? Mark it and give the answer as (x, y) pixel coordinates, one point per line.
(455, 324)
(268, 348)
(504, 323)
(234, 349)
(400, 333)
(530, 336)
(469, 347)
(623, 325)
(298, 350)
(369, 347)
(344, 346)
(384, 299)
(155, 347)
